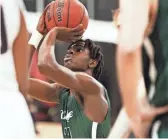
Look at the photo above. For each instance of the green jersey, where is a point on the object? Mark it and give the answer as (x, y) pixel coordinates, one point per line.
(159, 39)
(75, 124)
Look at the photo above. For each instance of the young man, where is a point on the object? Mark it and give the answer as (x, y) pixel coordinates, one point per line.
(85, 108)
(15, 117)
(137, 23)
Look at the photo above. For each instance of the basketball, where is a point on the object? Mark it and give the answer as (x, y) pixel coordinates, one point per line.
(66, 13)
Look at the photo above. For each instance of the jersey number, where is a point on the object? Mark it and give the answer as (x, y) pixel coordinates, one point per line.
(67, 132)
(3, 43)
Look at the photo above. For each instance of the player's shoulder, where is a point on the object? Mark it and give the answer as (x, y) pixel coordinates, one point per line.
(103, 88)
(85, 77)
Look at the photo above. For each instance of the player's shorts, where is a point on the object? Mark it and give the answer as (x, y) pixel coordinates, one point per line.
(15, 119)
(160, 127)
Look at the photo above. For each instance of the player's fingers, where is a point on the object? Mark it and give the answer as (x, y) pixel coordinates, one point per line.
(70, 40)
(78, 28)
(79, 33)
(161, 110)
(75, 38)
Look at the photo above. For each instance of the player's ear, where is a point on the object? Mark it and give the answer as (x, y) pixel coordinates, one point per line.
(92, 63)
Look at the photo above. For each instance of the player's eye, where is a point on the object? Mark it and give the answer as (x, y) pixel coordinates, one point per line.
(79, 49)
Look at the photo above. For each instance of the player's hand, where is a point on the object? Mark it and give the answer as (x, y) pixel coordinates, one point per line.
(41, 26)
(148, 113)
(69, 34)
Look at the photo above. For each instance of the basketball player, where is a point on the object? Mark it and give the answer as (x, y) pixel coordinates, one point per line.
(15, 119)
(141, 19)
(85, 106)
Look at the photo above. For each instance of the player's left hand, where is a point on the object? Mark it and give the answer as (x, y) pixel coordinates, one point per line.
(147, 114)
(41, 26)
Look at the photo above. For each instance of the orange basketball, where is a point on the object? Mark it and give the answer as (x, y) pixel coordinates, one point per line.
(66, 13)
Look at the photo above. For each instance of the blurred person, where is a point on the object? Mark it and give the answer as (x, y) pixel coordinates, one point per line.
(145, 22)
(15, 119)
(121, 126)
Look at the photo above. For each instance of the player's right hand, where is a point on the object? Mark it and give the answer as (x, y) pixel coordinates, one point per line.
(69, 34)
(41, 26)
(147, 113)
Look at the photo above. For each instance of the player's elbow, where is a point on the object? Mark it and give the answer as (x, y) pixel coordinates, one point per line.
(42, 67)
(43, 62)
(23, 88)
(46, 68)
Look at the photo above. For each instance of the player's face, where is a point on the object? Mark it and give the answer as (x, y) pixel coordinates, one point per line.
(77, 57)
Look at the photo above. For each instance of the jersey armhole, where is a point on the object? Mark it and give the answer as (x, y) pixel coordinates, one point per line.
(62, 91)
(106, 96)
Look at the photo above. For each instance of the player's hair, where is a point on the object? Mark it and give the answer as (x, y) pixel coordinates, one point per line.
(96, 54)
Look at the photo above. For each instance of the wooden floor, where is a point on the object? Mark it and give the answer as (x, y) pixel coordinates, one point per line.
(49, 130)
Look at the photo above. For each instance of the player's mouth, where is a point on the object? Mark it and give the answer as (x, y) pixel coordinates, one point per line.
(67, 59)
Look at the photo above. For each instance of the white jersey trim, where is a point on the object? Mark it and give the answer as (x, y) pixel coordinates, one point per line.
(155, 129)
(94, 130)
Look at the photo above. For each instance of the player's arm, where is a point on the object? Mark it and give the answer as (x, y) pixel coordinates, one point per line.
(134, 20)
(21, 56)
(48, 66)
(38, 34)
(44, 91)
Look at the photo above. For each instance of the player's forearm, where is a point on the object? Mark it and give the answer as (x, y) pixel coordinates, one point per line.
(121, 127)
(46, 59)
(129, 75)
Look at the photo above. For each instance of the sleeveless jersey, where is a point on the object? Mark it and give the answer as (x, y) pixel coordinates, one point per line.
(159, 39)
(10, 25)
(75, 124)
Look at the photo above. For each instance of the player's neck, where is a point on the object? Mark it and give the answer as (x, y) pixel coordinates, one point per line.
(89, 72)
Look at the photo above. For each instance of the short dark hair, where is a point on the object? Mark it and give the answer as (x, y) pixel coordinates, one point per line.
(96, 54)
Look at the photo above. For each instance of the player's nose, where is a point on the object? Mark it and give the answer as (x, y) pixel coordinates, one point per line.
(72, 52)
